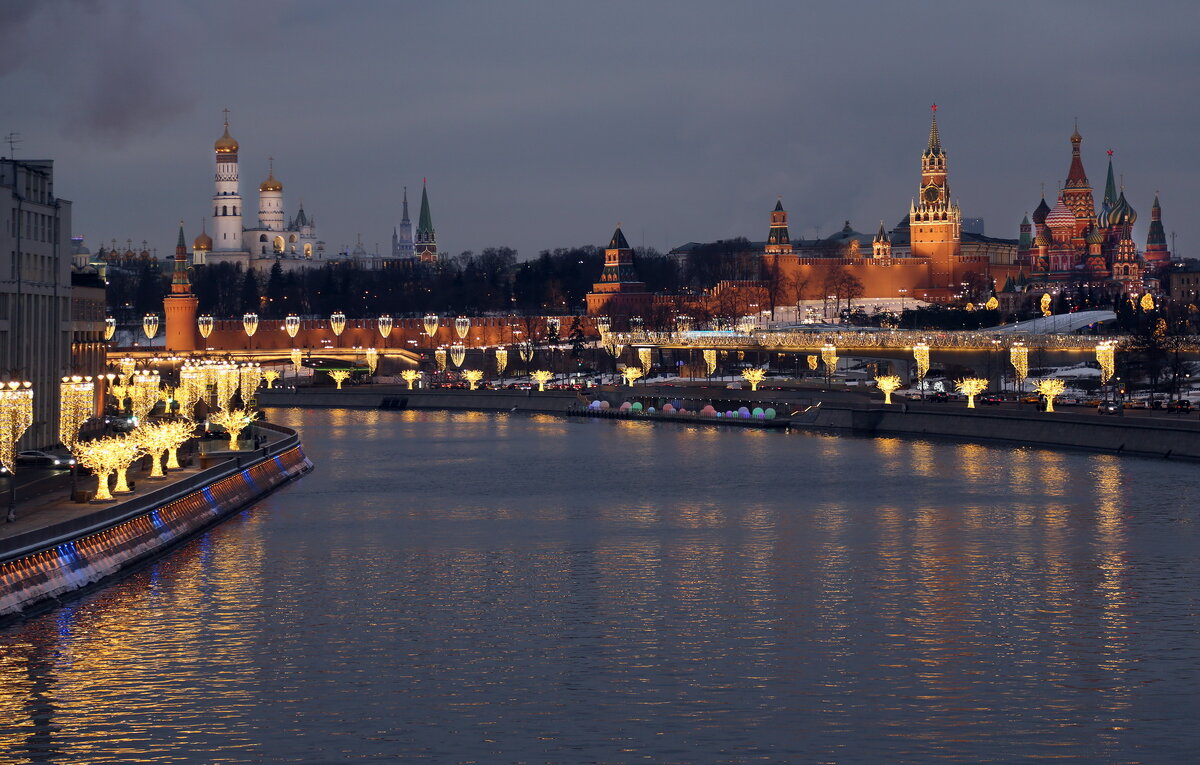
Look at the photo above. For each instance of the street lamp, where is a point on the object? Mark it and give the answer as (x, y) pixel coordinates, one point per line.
(150, 325)
(16, 415)
(205, 325)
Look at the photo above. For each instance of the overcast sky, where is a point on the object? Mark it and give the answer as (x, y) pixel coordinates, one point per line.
(544, 124)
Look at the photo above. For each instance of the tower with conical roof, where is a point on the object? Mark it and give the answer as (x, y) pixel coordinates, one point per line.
(425, 247)
(881, 246)
(1077, 191)
(180, 306)
(934, 220)
(402, 235)
(227, 201)
(778, 242)
(1156, 253)
(618, 292)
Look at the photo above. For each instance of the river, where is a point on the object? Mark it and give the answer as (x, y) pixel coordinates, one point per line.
(490, 588)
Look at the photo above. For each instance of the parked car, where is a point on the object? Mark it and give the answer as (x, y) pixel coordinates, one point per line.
(44, 459)
(1110, 407)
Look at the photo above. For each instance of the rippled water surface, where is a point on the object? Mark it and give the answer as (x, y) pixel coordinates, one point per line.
(470, 588)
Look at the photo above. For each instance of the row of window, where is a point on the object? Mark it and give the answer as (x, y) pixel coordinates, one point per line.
(225, 211)
(33, 226)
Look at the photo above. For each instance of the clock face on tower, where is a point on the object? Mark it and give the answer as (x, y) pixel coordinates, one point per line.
(932, 193)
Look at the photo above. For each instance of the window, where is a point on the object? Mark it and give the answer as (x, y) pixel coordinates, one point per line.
(224, 210)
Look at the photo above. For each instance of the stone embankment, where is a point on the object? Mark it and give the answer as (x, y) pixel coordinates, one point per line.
(42, 565)
(828, 410)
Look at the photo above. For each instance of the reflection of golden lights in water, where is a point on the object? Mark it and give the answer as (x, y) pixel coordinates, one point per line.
(923, 461)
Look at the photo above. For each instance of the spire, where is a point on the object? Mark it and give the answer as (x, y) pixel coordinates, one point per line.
(1157, 235)
(180, 284)
(1076, 177)
(935, 140)
(779, 204)
(425, 222)
(404, 218)
(1110, 186)
(882, 235)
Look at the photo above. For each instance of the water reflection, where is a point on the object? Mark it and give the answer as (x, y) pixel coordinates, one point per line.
(469, 587)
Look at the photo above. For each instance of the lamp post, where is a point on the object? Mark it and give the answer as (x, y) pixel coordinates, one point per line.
(205, 325)
(384, 325)
(150, 325)
(250, 324)
(110, 328)
(337, 323)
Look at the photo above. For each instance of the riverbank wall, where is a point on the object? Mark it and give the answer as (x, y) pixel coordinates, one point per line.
(39, 567)
(834, 411)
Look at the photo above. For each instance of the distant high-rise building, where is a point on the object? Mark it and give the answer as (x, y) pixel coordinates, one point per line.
(402, 236)
(426, 248)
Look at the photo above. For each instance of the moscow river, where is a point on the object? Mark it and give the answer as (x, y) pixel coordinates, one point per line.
(479, 588)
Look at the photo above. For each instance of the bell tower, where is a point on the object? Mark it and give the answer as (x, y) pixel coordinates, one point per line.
(935, 221)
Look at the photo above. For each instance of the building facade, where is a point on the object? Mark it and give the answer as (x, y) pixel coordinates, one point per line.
(35, 290)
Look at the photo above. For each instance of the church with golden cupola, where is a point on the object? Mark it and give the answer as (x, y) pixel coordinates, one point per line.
(271, 236)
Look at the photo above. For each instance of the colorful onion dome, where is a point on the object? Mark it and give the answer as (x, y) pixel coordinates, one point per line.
(1122, 213)
(1061, 216)
(1095, 236)
(1043, 238)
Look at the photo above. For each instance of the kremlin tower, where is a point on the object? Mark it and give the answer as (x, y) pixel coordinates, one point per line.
(934, 221)
(402, 238)
(180, 306)
(426, 245)
(778, 242)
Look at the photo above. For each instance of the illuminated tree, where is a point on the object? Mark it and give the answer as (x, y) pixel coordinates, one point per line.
(249, 377)
(158, 438)
(372, 359)
(541, 377)
(234, 421)
(754, 377)
(271, 375)
(410, 376)
(1147, 302)
(440, 357)
(812, 362)
(339, 376)
(631, 374)
(144, 394)
(992, 304)
(472, 376)
(887, 384)
(644, 358)
(710, 360)
(1050, 388)
(297, 357)
(1044, 304)
(227, 377)
(501, 360)
(106, 456)
(971, 386)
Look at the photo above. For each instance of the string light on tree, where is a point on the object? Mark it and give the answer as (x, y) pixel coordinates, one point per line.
(410, 376)
(1050, 388)
(1045, 304)
(644, 358)
(473, 376)
(339, 376)
(1147, 302)
(971, 387)
(921, 355)
(887, 384)
(754, 377)
(631, 375)
(541, 377)
(270, 375)
(501, 360)
(233, 421)
(710, 360)
(813, 361)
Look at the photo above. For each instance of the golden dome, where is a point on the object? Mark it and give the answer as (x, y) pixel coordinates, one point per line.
(226, 143)
(270, 184)
(202, 242)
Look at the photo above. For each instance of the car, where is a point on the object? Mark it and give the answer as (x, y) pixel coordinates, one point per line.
(992, 399)
(35, 458)
(1181, 405)
(939, 396)
(1110, 407)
